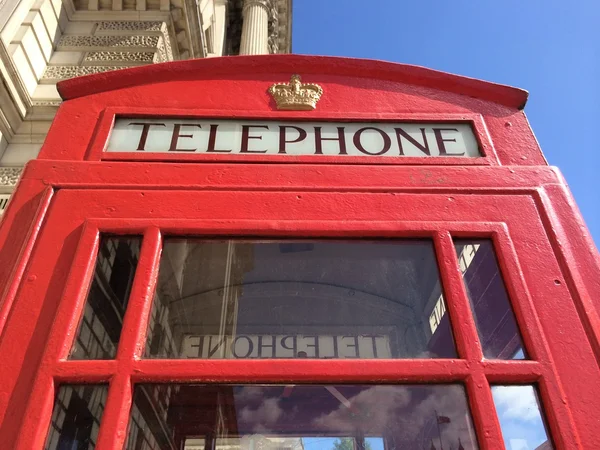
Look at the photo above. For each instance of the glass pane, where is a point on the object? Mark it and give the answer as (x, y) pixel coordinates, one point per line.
(100, 327)
(300, 417)
(494, 317)
(76, 417)
(521, 418)
(302, 299)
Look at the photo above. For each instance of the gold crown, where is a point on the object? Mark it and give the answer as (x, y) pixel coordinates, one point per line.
(296, 95)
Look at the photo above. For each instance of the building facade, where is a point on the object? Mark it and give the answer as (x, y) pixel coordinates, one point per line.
(45, 41)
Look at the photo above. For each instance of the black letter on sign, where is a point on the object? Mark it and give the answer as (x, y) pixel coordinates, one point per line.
(145, 130)
(373, 337)
(355, 345)
(176, 136)
(212, 141)
(319, 141)
(387, 142)
(424, 148)
(273, 346)
(250, 347)
(440, 141)
(283, 141)
(294, 347)
(246, 136)
(315, 344)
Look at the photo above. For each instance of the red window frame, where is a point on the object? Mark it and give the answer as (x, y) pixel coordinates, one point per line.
(77, 218)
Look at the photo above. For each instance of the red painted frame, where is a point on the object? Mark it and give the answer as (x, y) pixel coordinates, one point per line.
(49, 234)
(480, 219)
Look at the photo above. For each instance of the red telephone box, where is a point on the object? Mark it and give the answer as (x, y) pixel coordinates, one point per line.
(215, 254)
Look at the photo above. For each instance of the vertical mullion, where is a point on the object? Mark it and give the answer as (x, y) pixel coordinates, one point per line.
(457, 302)
(113, 427)
(38, 415)
(483, 411)
(135, 322)
(468, 344)
(520, 300)
(114, 421)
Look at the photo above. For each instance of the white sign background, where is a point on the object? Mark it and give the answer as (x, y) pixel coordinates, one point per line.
(379, 139)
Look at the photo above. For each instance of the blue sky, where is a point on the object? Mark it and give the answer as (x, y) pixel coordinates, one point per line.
(550, 48)
(519, 415)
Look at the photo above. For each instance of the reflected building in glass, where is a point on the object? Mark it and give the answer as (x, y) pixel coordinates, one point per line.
(324, 300)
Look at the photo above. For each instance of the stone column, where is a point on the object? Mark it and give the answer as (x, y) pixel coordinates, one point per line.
(255, 29)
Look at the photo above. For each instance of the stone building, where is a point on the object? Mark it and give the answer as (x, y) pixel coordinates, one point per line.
(45, 41)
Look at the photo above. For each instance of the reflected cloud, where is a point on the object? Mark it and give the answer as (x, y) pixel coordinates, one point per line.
(372, 407)
(277, 417)
(517, 402)
(379, 410)
(267, 413)
(520, 418)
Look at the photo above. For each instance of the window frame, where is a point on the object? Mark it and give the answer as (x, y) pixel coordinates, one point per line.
(129, 367)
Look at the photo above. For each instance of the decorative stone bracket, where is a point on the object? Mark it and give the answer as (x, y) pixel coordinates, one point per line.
(9, 176)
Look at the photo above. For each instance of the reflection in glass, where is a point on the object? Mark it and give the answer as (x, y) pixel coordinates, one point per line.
(520, 418)
(286, 443)
(100, 327)
(302, 299)
(300, 417)
(76, 417)
(494, 317)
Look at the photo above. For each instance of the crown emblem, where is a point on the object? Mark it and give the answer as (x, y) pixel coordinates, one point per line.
(296, 95)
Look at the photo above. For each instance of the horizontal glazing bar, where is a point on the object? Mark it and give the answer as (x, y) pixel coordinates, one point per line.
(269, 370)
(285, 370)
(84, 371)
(513, 371)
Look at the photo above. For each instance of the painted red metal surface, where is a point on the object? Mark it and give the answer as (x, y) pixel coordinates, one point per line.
(74, 192)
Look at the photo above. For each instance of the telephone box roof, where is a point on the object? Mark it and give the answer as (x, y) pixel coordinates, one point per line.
(249, 66)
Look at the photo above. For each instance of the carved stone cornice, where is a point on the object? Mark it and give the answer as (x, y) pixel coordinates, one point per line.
(84, 42)
(130, 25)
(9, 176)
(280, 26)
(47, 103)
(63, 72)
(266, 4)
(280, 32)
(114, 50)
(120, 57)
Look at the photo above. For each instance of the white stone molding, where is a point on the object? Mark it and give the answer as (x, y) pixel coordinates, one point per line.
(78, 42)
(120, 57)
(46, 103)
(63, 72)
(130, 25)
(9, 176)
(255, 28)
(165, 53)
(11, 79)
(110, 51)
